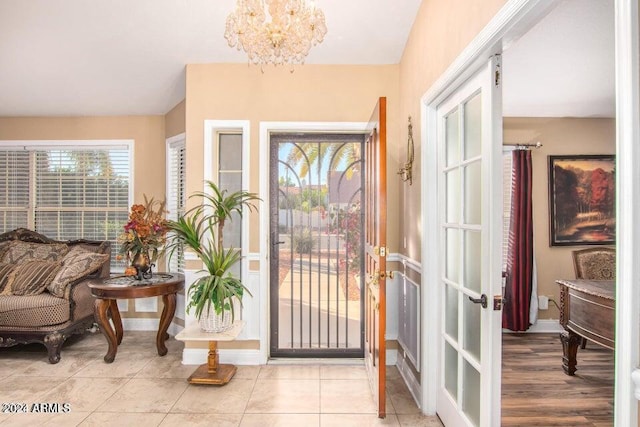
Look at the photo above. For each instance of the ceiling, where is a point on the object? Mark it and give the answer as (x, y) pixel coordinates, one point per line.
(116, 57)
(565, 65)
(123, 57)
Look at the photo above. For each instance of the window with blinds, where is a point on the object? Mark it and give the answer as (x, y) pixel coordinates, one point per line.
(66, 192)
(176, 196)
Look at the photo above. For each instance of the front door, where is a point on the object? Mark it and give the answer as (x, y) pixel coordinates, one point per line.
(469, 129)
(316, 245)
(375, 252)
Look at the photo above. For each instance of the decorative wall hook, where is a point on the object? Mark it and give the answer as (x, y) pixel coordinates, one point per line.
(405, 172)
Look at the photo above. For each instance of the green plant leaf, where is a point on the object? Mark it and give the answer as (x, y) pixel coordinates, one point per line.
(200, 230)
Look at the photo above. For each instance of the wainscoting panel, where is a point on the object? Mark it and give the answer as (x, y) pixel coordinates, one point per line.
(146, 305)
(251, 308)
(406, 280)
(409, 326)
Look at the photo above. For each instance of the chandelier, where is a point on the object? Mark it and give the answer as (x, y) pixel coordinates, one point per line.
(295, 26)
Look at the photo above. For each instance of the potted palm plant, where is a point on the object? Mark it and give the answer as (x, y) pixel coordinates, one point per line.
(201, 230)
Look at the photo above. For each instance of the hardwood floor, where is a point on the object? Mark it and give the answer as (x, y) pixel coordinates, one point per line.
(536, 392)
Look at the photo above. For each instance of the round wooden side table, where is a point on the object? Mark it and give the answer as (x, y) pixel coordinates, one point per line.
(107, 291)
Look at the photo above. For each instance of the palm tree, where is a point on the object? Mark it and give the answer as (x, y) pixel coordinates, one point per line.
(305, 154)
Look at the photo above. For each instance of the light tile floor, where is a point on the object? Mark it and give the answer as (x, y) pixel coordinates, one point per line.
(142, 389)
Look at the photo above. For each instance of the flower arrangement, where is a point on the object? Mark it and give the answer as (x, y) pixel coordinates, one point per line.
(145, 232)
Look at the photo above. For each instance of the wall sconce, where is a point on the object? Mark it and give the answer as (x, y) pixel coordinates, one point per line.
(405, 172)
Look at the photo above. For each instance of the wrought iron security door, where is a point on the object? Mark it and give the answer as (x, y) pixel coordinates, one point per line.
(316, 245)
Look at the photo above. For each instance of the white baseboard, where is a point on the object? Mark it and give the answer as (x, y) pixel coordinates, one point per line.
(198, 356)
(410, 380)
(140, 324)
(542, 326)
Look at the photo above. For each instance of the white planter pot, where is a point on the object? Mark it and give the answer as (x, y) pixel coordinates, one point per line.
(210, 321)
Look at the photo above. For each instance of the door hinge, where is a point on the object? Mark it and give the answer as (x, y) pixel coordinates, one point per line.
(380, 250)
(497, 70)
(497, 302)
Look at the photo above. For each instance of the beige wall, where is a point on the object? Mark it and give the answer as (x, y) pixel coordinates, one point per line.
(174, 120)
(558, 136)
(442, 29)
(324, 93)
(146, 131)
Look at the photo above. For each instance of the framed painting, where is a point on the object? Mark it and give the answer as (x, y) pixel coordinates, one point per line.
(582, 200)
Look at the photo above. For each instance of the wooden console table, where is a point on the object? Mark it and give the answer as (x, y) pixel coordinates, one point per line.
(211, 372)
(107, 291)
(587, 309)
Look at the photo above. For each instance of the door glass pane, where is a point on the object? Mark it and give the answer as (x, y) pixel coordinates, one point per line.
(230, 151)
(472, 259)
(230, 181)
(451, 370)
(471, 393)
(232, 237)
(453, 255)
(453, 196)
(451, 312)
(472, 331)
(472, 127)
(473, 193)
(452, 138)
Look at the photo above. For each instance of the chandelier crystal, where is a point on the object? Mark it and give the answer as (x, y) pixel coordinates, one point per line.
(275, 31)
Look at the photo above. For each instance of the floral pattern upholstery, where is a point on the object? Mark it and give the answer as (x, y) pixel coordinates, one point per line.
(595, 263)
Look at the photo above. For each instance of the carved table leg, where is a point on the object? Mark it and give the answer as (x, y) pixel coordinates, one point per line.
(117, 320)
(570, 343)
(100, 310)
(165, 320)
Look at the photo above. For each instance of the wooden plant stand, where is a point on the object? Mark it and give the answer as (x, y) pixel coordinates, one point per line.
(212, 372)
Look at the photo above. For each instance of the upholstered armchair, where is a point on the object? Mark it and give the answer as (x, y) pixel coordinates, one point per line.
(595, 263)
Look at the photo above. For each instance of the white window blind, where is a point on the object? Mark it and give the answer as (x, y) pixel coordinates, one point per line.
(67, 192)
(507, 179)
(176, 196)
(14, 189)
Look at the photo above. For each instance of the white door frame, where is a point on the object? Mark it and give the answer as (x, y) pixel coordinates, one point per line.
(265, 167)
(628, 214)
(515, 18)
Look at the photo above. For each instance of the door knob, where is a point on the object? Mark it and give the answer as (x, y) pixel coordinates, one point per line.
(482, 300)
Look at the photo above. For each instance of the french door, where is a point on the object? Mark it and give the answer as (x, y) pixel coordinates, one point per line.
(469, 138)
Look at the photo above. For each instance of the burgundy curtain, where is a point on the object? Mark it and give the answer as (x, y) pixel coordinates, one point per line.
(515, 315)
